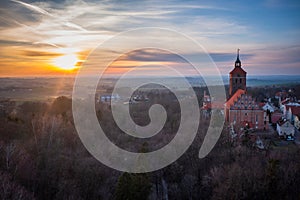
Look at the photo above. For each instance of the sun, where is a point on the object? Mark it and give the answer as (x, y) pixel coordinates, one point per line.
(66, 62)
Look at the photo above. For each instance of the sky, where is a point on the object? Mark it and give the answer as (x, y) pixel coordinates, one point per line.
(52, 38)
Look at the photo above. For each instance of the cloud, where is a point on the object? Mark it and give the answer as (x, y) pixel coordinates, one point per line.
(276, 55)
(157, 55)
(56, 23)
(48, 28)
(152, 55)
(229, 57)
(268, 60)
(14, 43)
(32, 7)
(40, 54)
(44, 12)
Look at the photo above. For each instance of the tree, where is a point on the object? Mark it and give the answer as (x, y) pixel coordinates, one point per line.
(9, 189)
(61, 105)
(272, 177)
(133, 186)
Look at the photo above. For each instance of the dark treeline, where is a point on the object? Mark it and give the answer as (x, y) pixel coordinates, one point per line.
(42, 157)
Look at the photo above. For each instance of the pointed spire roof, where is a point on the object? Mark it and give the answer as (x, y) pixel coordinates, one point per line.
(238, 62)
(238, 65)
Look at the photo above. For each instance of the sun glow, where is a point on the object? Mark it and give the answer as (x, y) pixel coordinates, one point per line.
(66, 62)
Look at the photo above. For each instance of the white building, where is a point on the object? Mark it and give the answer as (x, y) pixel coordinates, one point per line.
(297, 122)
(285, 128)
(108, 98)
(286, 107)
(268, 106)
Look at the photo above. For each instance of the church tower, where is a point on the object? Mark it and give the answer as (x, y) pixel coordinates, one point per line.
(237, 76)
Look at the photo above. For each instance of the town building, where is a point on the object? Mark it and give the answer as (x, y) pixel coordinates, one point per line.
(206, 105)
(276, 116)
(237, 77)
(108, 98)
(268, 107)
(285, 128)
(291, 110)
(297, 121)
(241, 109)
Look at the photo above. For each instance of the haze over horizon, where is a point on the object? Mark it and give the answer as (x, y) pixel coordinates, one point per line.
(53, 38)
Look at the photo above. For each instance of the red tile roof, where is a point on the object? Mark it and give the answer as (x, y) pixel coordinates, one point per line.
(241, 101)
(281, 94)
(276, 116)
(238, 70)
(295, 109)
(234, 97)
(287, 100)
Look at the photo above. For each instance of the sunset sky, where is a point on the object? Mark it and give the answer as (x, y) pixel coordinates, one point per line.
(41, 38)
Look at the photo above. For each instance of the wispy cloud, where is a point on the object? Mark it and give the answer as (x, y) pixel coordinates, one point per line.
(52, 28)
(44, 12)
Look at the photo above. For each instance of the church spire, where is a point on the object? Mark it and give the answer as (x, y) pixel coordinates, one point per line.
(238, 62)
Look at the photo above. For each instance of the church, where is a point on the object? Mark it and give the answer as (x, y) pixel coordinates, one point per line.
(241, 109)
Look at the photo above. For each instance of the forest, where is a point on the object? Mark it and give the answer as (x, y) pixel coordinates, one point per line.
(42, 157)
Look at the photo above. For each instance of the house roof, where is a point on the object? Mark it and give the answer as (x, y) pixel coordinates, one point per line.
(282, 122)
(275, 117)
(261, 104)
(293, 104)
(277, 112)
(268, 106)
(206, 106)
(287, 100)
(294, 109)
(280, 94)
(241, 101)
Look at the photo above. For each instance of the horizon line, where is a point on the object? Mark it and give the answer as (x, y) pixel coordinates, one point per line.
(143, 76)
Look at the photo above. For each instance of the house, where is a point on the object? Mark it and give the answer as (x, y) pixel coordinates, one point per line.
(285, 107)
(269, 109)
(285, 128)
(107, 98)
(291, 111)
(275, 117)
(283, 102)
(297, 121)
(281, 95)
(268, 106)
(206, 105)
